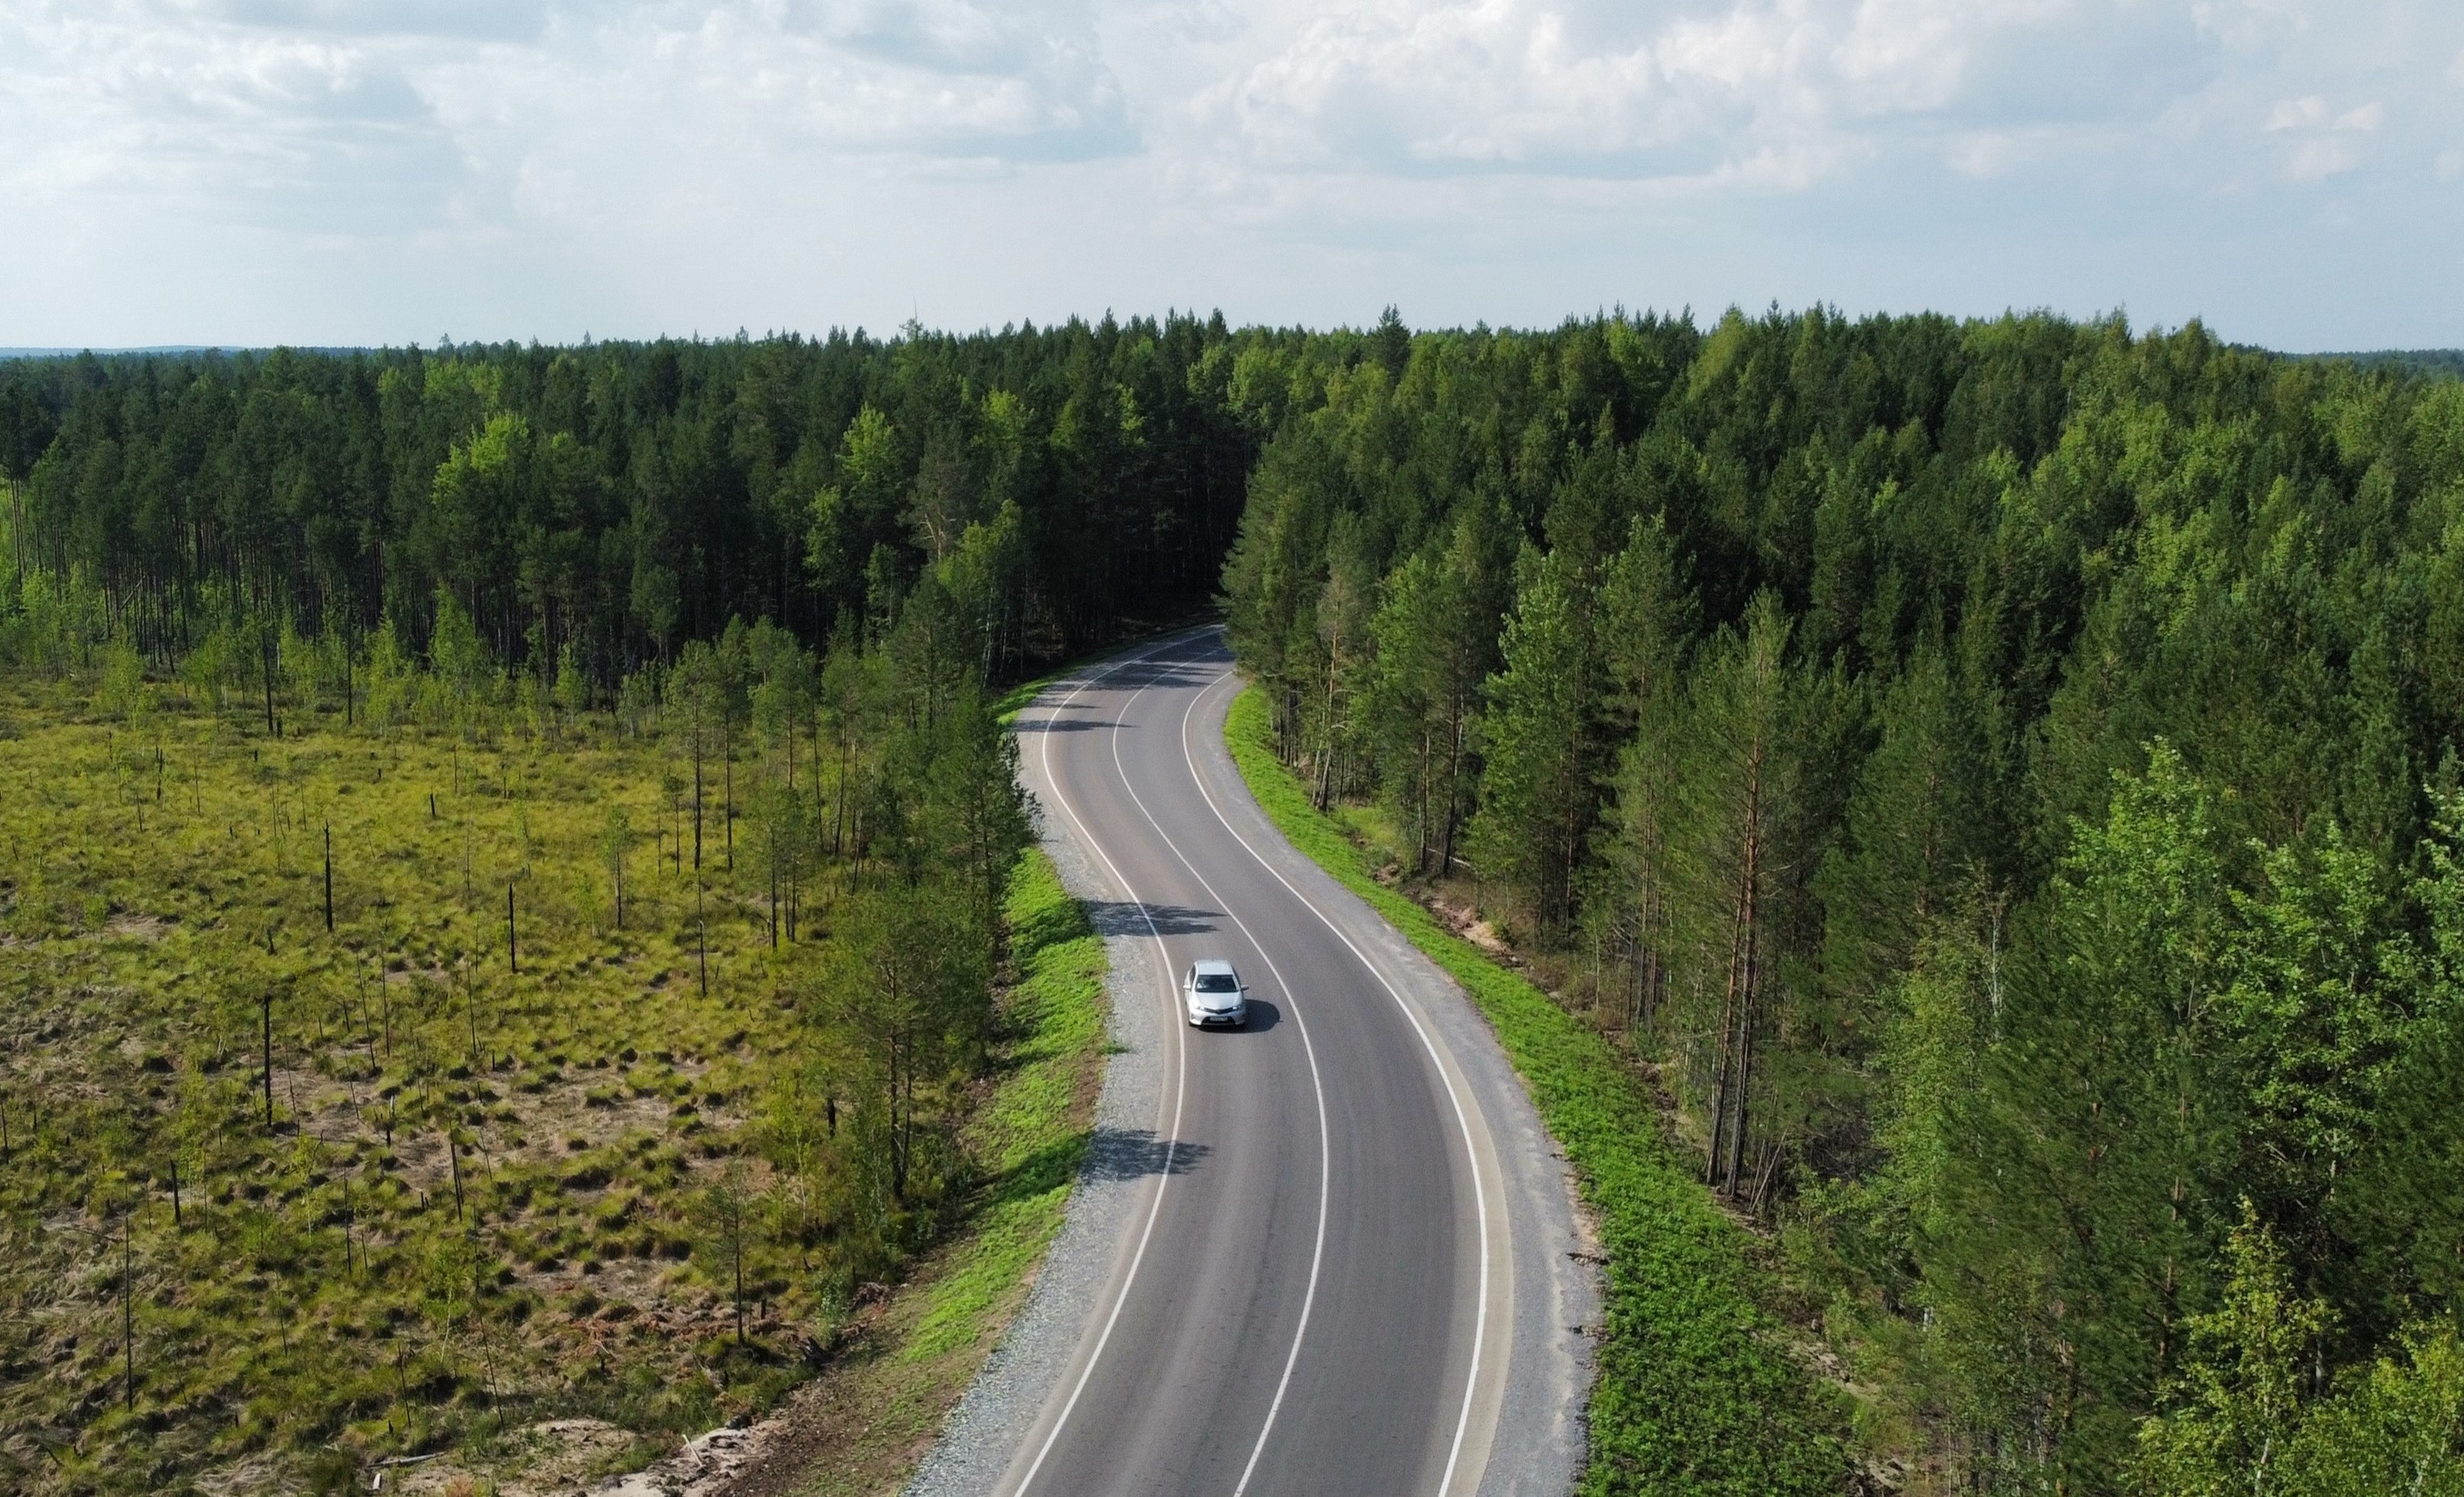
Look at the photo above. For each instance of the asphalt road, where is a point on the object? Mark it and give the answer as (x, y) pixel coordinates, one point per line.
(1346, 1262)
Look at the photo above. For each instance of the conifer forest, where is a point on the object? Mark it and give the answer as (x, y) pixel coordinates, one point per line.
(508, 897)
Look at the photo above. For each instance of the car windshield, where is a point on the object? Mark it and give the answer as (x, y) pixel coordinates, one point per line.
(1217, 983)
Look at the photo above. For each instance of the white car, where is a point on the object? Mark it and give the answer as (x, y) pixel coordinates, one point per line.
(1213, 995)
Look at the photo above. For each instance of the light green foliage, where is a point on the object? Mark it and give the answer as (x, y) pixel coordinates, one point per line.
(122, 692)
(615, 841)
(2397, 1428)
(456, 652)
(859, 512)
(53, 622)
(572, 683)
(2315, 1020)
(1735, 809)
(2065, 1117)
(2253, 1421)
(2248, 1360)
(903, 989)
(884, 1399)
(1432, 635)
(1029, 1137)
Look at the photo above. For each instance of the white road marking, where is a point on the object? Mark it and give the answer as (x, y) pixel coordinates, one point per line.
(1181, 1086)
(1325, 1147)
(1462, 1121)
(1472, 1151)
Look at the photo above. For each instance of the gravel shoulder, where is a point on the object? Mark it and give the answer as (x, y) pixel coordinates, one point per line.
(984, 1431)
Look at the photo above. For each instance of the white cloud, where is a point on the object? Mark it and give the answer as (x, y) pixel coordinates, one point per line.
(357, 116)
(2316, 161)
(298, 128)
(1774, 89)
(2295, 113)
(2322, 138)
(947, 78)
(800, 155)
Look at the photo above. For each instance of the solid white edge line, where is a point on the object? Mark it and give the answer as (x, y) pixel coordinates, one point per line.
(1181, 1086)
(1317, 1084)
(1472, 1151)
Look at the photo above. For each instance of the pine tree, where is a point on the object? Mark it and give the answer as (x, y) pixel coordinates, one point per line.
(1538, 791)
(1647, 620)
(1735, 792)
(1433, 633)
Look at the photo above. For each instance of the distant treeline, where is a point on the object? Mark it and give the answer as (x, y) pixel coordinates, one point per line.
(2406, 361)
(614, 499)
(2003, 776)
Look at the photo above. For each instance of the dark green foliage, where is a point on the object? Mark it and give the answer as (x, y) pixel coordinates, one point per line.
(1990, 771)
(615, 499)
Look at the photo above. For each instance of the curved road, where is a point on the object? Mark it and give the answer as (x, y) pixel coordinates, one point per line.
(1343, 1261)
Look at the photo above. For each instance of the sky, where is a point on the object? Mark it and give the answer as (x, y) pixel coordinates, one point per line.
(336, 172)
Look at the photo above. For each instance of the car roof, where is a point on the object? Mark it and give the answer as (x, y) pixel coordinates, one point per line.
(1212, 966)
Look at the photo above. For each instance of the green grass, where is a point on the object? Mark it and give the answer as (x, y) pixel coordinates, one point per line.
(326, 1282)
(1697, 1391)
(1014, 700)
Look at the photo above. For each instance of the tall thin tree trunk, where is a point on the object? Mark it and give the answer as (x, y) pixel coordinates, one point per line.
(1747, 1017)
(1454, 772)
(266, 1001)
(128, 1308)
(1748, 987)
(1725, 1058)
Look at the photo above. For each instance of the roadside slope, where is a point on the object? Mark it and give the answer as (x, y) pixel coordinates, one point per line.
(1695, 1394)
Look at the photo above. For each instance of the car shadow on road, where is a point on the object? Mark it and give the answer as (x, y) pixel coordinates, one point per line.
(1062, 724)
(1129, 1154)
(1131, 917)
(1262, 1016)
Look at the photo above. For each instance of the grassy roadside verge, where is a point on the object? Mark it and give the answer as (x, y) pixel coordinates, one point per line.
(864, 1425)
(1695, 1393)
(1016, 700)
